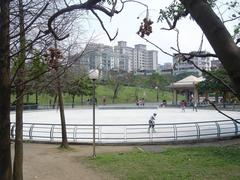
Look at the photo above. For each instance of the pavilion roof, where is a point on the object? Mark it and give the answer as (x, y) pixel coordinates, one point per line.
(188, 82)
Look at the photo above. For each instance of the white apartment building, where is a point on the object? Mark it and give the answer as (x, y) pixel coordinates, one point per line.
(135, 59)
(152, 60)
(123, 56)
(166, 68)
(140, 57)
(98, 56)
(181, 67)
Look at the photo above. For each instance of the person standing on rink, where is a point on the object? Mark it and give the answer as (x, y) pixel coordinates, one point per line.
(151, 123)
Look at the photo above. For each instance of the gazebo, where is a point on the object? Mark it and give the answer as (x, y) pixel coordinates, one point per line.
(188, 87)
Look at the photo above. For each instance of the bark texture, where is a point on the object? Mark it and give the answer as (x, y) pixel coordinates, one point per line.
(18, 156)
(62, 115)
(5, 150)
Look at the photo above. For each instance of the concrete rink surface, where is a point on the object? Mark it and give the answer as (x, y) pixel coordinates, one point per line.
(124, 116)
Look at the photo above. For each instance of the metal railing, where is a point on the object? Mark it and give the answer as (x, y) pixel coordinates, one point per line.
(131, 133)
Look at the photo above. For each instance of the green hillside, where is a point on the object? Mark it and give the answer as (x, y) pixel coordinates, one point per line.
(126, 95)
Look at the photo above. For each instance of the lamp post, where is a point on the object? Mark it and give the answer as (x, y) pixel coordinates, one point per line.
(93, 75)
(157, 93)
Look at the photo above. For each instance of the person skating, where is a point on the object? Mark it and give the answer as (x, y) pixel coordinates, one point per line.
(151, 123)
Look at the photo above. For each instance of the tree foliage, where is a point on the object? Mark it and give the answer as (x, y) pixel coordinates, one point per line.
(79, 86)
(210, 84)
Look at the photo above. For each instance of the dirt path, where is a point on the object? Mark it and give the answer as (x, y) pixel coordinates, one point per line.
(47, 162)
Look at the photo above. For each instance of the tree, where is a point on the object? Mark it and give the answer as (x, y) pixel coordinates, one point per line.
(5, 83)
(158, 82)
(37, 66)
(138, 81)
(18, 157)
(115, 82)
(211, 84)
(21, 24)
(218, 36)
(53, 60)
(78, 86)
(5, 149)
(214, 29)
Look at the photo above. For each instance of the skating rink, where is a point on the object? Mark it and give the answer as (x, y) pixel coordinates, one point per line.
(128, 125)
(124, 116)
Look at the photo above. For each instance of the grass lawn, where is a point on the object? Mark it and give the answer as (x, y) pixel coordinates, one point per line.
(127, 94)
(175, 163)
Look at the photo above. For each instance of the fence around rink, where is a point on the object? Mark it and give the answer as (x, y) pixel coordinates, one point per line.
(130, 133)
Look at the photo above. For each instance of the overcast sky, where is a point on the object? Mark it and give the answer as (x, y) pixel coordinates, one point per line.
(128, 24)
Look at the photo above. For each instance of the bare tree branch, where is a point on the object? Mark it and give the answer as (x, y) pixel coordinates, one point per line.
(157, 47)
(178, 39)
(108, 11)
(231, 19)
(60, 73)
(191, 55)
(34, 19)
(176, 18)
(99, 19)
(90, 5)
(238, 41)
(219, 12)
(201, 43)
(218, 110)
(138, 2)
(66, 3)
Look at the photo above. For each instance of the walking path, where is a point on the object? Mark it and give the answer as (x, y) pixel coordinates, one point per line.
(46, 161)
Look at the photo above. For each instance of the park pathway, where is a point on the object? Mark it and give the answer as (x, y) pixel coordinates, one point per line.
(46, 161)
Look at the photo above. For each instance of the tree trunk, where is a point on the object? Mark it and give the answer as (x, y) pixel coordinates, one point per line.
(136, 94)
(81, 99)
(115, 92)
(5, 148)
(61, 106)
(54, 101)
(27, 98)
(36, 97)
(206, 94)
(18, 158)
(218, 36)
(60, 102)
(224, 99)
(73, 99)
(216, 97)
